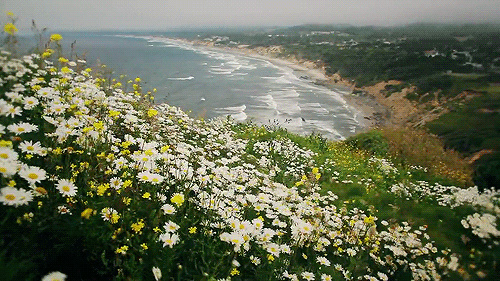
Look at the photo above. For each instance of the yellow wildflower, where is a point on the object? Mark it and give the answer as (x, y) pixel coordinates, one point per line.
(369, 220)
(234, 272)
(63, 59)
(127, 183)
(122, 250)
(10, 28)
(144, 246)
(177, 199)
(114, 218)
(138, 226)
(55, 37)
(65, 69)
(146, 195)
(86, 213)
(126, 200)
(4, 143)
(101, 189)
(152, 112)
(192, 230)
(99, 125)
(138, 79)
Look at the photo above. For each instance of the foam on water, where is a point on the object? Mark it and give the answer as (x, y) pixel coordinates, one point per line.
(181, 78)
(260, 90)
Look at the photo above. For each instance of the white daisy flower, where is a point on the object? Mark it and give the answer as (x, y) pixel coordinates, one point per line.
(67, 188)
(156, 273)
(7, 154)
(22, 128)
(169, 239)
(32, 174)
(32, 148)
(30, 102)
(168, 209)
(9, 168)
(54, 276)
(171, 226)
(63, 210)
(12, 196)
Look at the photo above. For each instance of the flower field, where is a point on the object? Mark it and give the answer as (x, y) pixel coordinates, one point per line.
(99, 183)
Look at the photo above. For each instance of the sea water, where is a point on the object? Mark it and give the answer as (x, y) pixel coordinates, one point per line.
(207, 82)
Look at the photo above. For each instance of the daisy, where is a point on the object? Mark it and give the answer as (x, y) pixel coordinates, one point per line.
(323, 261)
(46, 92)
(7, 154)
(30, 102)
(67, 188)
(54, 276)
(169, 239)
(115, 183)
(32, 174)
(156, 178)
(8, 168)
(21, 128)
(32, 148)
(171, 226)
(13, 96)
(309, 276)
(110, 214)
(168, 209)
(144, 176)
(326, 277)
(156, 273)
(15, 197)
(63, 210)
(12, 111)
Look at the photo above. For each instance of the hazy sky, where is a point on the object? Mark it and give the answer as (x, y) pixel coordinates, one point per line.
(167, 14)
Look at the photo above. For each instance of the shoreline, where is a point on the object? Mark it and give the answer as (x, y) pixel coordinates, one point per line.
(371, 114)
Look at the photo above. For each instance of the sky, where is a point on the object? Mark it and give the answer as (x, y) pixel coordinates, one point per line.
(175, 14)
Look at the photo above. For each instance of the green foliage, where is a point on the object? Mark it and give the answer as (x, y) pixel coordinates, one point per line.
(473, 127)
(372, 141)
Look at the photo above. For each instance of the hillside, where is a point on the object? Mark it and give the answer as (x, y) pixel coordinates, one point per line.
(100, 184)
(442, 77)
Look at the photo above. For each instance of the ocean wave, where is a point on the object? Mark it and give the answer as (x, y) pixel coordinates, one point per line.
(315, 107)
(236, 112)
(181, 78)
(268, 100)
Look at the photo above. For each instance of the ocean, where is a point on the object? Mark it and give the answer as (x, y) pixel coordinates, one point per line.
(208, 83)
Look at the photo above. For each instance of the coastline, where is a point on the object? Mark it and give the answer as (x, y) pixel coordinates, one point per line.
(370, 113)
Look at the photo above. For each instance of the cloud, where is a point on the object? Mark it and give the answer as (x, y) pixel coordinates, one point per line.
(166, 14)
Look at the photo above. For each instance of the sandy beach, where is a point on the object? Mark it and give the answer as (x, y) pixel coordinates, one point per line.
(371, 114)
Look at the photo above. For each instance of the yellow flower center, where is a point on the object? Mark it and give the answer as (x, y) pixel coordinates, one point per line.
(3, 169)
(65, 188)
(10, 197)
(30, 148)
(4, 155)
(33, 176)
(20, 129)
